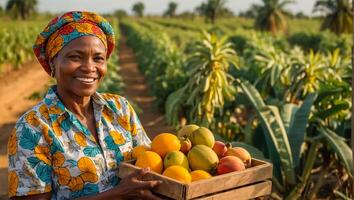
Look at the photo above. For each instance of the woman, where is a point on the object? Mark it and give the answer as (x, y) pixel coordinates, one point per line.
(70, 144)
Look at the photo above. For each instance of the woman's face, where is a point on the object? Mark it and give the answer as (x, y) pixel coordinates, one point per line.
(80, 66)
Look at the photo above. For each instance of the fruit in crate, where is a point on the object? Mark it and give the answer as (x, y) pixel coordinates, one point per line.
(202, 136)
(150, 159)
(229, 164)
(186, 144)
(241, 153)
(187, 130)
(201, 157)
(199, 175)
(164, 143)
(175, 158)
(219, 148)
(178, 173)
(138, 150)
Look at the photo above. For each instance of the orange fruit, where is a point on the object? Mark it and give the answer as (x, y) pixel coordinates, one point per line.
(164, 143)
(138, 150)
(178, 173)
(199, 175)
(150, 159)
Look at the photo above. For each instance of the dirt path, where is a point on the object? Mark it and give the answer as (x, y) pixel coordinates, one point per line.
(136, 90)
(15, 88)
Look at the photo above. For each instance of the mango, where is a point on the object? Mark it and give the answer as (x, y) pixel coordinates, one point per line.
(202, 136)
(219, 148)
(229, 164)
(175, 158)
(201, 157)
(241, 153)
(187, 130)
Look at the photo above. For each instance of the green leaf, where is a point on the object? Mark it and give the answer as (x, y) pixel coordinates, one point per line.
(297, 130)
(172, 106)
(288, 115)
(276, 136)
(252, 94)
(340, 148)
(338, 107)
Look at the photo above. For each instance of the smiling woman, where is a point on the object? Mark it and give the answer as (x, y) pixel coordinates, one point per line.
(70, 144)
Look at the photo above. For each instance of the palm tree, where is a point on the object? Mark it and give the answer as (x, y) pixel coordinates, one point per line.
(24, 8)
(211, 9)
(171, 10)
(339, 18)
(138, 9)
(272, 16)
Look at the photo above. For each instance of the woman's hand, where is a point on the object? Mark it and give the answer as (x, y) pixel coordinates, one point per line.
(133, 187)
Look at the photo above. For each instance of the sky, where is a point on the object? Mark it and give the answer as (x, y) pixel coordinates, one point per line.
(153, 6)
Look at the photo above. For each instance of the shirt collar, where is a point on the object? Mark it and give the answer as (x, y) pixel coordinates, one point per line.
(56, 107)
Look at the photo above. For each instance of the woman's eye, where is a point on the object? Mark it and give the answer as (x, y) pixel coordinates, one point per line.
(74, 57)
(100, 59)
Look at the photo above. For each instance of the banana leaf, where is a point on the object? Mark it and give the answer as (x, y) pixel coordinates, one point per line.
(172, 106)
(297, 129)
(276, 136)
(340, 148)
(288, 112)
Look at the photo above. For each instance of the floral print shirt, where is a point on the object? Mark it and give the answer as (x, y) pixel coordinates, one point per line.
(51, 151)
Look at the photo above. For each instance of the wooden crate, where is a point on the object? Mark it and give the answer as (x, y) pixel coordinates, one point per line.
(247, 184)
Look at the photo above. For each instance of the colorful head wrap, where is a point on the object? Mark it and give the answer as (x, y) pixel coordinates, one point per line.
(67, 27)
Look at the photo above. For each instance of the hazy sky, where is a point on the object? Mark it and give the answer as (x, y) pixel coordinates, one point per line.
(153, 6)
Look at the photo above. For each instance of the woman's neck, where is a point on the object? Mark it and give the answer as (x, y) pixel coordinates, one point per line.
(80, 106)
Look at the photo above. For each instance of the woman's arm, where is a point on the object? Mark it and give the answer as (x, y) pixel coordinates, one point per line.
(129, 188)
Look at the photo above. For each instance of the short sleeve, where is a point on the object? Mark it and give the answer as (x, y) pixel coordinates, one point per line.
(30, 169)
(138, 133)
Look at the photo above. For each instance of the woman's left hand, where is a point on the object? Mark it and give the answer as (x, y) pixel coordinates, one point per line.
(133, 187)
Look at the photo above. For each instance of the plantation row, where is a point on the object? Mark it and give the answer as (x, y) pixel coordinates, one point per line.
(284, 103)
(16, 46)
(239, 29)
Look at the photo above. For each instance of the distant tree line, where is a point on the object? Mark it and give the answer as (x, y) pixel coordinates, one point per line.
(270, 16)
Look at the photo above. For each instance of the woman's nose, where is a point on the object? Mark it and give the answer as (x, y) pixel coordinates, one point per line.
(89, 65)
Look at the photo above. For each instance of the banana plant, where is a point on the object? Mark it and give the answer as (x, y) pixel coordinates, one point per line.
(284, 157)
(275, 62)
(308, 72)
(292, 150)
(209, 83)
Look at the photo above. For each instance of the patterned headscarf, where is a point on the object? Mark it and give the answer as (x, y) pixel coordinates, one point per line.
(67, 27)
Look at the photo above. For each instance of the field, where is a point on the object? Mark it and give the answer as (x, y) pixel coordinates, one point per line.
(287, 98)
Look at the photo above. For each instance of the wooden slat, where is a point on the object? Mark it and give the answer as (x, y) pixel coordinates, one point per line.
(243, 193)
(259, 172)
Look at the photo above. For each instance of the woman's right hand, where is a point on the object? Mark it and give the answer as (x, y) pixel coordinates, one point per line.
(133, 187)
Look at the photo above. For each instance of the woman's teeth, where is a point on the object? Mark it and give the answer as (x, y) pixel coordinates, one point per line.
(87, 80)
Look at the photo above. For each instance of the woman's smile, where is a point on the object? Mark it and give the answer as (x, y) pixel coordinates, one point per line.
(86, 79)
